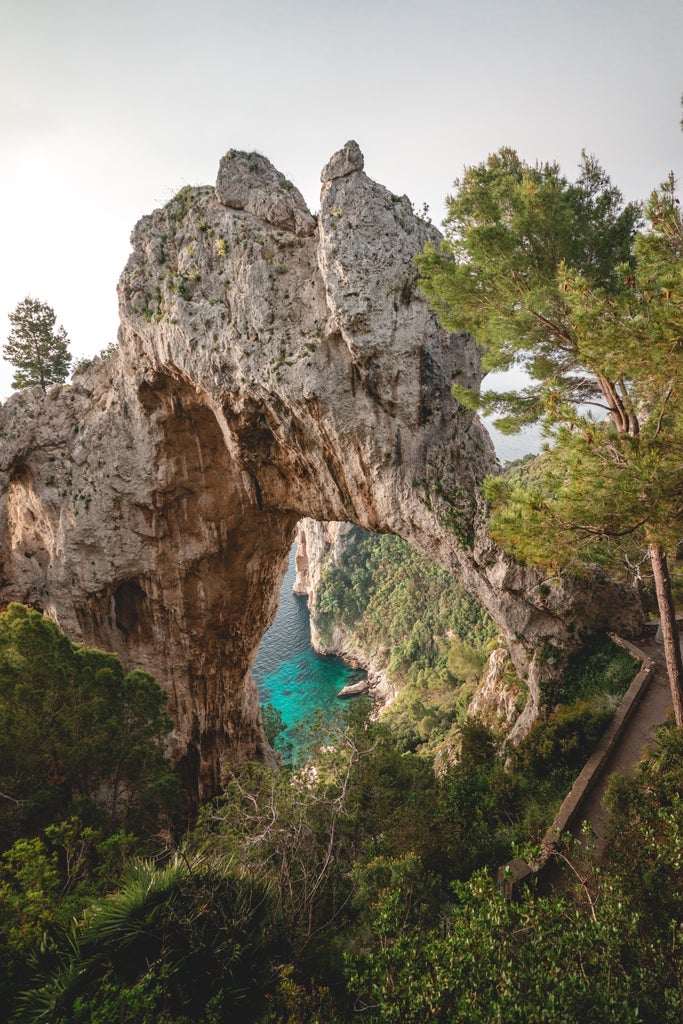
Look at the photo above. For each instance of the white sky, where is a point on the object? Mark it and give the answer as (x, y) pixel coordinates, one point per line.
(108, 108)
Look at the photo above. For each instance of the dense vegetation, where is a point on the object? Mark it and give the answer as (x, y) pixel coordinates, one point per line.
(357, 887)
(417, 621)
(84, 782)
(78, 737)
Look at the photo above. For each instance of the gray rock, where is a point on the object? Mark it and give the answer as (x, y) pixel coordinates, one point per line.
(269, 368)
(353, 690)
(248, 181)
(345, 161)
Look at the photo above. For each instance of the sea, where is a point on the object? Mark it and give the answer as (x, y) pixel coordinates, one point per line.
(303, 685)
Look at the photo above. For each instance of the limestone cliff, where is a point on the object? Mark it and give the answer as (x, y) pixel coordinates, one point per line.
(271, 365)
(495, 701)
(317, 542)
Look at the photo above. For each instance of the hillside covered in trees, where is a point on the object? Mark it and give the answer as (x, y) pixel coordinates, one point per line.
(416, 623)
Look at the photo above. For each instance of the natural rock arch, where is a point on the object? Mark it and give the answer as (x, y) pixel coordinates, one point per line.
(271, 366)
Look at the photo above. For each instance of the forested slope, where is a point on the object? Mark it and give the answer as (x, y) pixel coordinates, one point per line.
(356, 887)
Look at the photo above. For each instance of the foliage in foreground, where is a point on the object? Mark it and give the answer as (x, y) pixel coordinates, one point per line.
(355, 888)
(84, 782)
(188, 941)
(77, 734)
(558, 958)
(318, 905)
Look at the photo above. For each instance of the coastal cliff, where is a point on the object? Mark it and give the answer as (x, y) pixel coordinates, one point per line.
(272, 365)
(321, 547)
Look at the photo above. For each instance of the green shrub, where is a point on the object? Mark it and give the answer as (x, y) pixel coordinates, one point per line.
(600, 667)
(557, 749)
(77, 735)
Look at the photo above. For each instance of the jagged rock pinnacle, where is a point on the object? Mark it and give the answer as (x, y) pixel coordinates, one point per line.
(344, 162)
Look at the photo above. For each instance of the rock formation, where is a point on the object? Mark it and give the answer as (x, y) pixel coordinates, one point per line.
(316, 544)
(271, 365)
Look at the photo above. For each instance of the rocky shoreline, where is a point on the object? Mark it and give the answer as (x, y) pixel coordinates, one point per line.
(316, 544)
(497, 699)
(377, 684)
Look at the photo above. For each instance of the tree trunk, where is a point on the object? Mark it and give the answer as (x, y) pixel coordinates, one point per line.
(667, 616)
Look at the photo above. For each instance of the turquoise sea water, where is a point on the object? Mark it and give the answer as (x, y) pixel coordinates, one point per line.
(288, 672)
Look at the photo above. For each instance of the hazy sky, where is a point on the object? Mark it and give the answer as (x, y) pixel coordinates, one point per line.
(107, 109)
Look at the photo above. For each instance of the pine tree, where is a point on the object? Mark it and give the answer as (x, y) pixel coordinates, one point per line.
(554, 276)
(38, 352)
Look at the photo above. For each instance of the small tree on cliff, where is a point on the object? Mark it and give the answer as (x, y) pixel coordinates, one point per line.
(38, 351)
(552, 275)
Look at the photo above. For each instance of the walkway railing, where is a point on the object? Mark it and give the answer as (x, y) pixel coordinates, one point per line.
(518, 871)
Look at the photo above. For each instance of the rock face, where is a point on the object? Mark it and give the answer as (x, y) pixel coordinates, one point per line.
(495, 701)
(316, 542)
(271, 366)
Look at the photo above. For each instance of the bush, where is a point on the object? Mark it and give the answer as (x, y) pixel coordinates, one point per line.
(185, 942)
(77, 734)
(557, 748)
(600, 667)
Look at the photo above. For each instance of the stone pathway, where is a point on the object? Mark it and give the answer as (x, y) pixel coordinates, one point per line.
(652, 710)
(585, 803)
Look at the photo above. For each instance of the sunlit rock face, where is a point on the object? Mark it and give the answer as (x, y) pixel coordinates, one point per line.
(272, 365)
(316, 544)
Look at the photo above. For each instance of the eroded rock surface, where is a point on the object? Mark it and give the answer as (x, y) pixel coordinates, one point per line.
(316, 544)
(272, 365)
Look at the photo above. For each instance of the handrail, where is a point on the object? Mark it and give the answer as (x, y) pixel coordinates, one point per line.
(519, 871)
